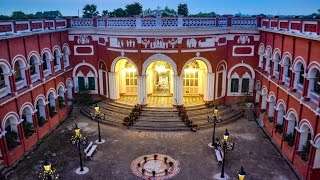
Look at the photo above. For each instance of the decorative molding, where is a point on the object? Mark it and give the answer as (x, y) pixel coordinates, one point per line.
(199, 50)
(242, 55)
(123, 50)
(83, 54)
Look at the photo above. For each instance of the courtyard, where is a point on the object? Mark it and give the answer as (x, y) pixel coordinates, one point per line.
(252, 150)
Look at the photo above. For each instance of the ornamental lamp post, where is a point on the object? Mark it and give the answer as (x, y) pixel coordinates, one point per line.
(226, 146)
(79, 140)
(48, 173)
(214, 120)
(241, 174)
(98, 116)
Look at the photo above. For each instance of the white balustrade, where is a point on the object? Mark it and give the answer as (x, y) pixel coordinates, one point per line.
(222, 22)
(199, 22)
(121, 22)
(101, 22)
(82, 22)
(244, 22)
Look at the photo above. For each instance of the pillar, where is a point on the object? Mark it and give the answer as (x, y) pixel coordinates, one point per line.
(142, 90)
(114, 85)
(177, 90)
(209, 90)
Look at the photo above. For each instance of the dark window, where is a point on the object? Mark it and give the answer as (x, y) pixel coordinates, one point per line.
(245, 85)
(2, 82)
(279, 67)
(91, 82)
(301, 78)
(316, 88)
(44, 59)
(288, 72)
(17, 73)
(55, 58)
(81, 83)
(32, 66)
(234, 85)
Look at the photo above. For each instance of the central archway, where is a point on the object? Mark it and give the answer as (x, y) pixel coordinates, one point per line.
(159, 82)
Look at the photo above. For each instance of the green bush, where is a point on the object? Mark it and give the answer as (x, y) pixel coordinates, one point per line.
(11, 138)
(61, 101)
(289, 138)
(41, 121)
(27, 128)
(52, 111)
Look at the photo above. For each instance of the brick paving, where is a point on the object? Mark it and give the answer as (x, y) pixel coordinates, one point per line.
(252, 150)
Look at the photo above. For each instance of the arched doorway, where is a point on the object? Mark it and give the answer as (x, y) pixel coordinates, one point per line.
(195, 82)
(126, 74)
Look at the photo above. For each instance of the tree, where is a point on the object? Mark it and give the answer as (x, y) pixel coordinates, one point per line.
(183, 9)
(18, 15)
(119, 13)
(105, 13)
(167, 9)
(134, 9)
(89, 10)
(51, 14)
(147, 11)
(4, 17)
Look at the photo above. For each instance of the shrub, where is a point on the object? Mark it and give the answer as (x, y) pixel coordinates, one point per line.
(41, 121)
(61, 102)
(52, 111)
(11, 138)
(289, 138)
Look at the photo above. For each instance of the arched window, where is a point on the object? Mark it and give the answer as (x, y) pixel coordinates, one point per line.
(277, 65)
(41, 112)
(46, 58)
(45, 64)
(34, 68)
(2, 81)
(52, 104)
(17, 71)
(55, 56)
(56, 60)
(304, 141)
(61, 98)
(298, 76)
(12, 135)
(314, 87)
(66, 54)
(286, 63)
(28, 127)
(272, 101)
(234, 83)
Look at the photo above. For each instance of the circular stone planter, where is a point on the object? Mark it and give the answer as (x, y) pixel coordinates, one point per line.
(159, 166)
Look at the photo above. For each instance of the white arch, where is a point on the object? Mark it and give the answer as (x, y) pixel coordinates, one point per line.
(6, 65)
(268, 51)
(312, 72)
(281, 102)
(26, 105)
(223, 65)
(10, 114)
(39, 97)
(69, 82)
(61, 84)
(207, 63)
(56, 47)
(261, 48)
(276, 51)
(35, 54)
(305, 123)
(84, 64)
(114, 63)
(21, 58)
(66, 46)
(272, 95)
(46, 51)
(159, 57)
(244, 65)
(53, 91)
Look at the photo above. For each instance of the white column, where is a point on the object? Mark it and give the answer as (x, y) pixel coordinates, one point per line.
(114, 85)
(177, 90)
(142, 90)
(101, 82)
(261, 60)
(209, 87)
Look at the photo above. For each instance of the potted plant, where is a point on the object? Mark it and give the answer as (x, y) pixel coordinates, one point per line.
(52, 111)
(61, 101)
(153, 173)
(143, 171)
(290, 139)
(166, 171)
(145, 159)
(28, 128)
(41, 121)
(279, 128)
(304, 154)
(155, 157)
(170, 164)
(165, 159)
(11, 138)
(139, 164)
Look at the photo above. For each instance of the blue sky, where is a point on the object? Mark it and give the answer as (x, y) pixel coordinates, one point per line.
(70, 7)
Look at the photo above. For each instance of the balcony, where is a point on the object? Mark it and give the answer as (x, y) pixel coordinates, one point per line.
(4, 90)
(20, 84)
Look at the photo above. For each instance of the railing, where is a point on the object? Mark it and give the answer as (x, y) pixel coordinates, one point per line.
(307, 27)
(26, 26)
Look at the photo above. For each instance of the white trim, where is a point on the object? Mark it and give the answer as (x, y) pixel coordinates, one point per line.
(159, 57)
(115, 61)
(123, 50)
(199, 50)
(239, 65)
(159, 51)
(83, 54)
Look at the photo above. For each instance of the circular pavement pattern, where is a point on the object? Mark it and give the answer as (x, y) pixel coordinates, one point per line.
(157, 165)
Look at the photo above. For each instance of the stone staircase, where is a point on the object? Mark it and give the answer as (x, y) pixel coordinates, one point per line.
(199, 115)
(160, 119)
(114, 112)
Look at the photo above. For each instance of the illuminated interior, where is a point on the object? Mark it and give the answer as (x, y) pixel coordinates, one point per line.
(194, 80)
(159, 79)
(126, 77)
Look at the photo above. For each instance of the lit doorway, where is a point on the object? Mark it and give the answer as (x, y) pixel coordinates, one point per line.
(126, 77)
(159, 79)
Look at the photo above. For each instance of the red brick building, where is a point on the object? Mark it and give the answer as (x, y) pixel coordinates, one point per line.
(221, 59)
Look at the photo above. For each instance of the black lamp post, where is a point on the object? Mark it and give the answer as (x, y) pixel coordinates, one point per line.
(214, 120)
(79, 140)
(47, 172)
(98, 116)
(241, 174)
(226, 146)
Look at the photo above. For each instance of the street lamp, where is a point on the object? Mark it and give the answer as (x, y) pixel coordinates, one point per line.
(98, 116)
(79, 140)
(214, 120)
(226, 146)
(241, 174)
(48, 173)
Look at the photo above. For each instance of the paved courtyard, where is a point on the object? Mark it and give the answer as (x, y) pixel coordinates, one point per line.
(252, 150)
